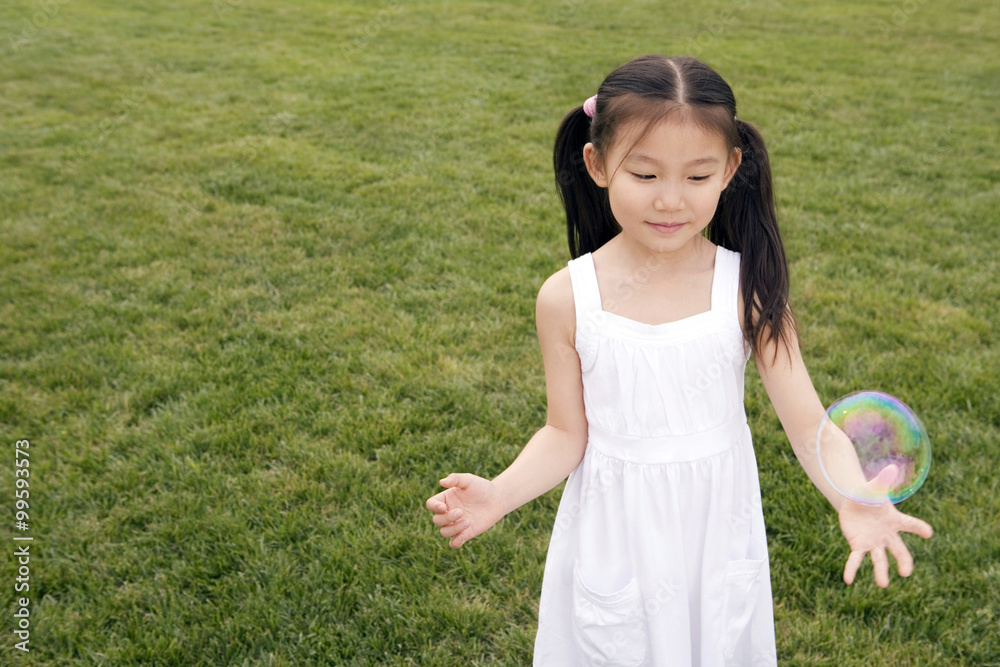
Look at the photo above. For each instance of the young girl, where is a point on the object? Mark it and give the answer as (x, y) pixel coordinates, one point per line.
(658, 555)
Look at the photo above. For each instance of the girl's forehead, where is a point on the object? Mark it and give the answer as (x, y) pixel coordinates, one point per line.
(672, 136)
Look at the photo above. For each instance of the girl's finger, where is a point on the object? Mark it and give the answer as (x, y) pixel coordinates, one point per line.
(881, 564)
(437, 503)
(460, 539)
(912, 524)
(459, 479)
(453, 529)
(904, 561)
(444, 518)
(884, 480)
(853, 563)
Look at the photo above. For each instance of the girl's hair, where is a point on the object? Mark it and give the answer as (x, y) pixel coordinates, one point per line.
(647, 90)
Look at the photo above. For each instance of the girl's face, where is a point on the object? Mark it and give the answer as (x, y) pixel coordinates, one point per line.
(664, 192)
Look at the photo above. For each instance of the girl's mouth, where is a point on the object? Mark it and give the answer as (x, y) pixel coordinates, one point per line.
(666, 227)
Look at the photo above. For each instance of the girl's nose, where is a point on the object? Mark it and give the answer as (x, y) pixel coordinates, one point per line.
(668, 198)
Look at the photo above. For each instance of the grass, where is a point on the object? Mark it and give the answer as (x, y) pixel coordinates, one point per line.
(268, 272)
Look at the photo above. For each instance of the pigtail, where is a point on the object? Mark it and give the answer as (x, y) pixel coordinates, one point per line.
(746, 222)
(589, 222)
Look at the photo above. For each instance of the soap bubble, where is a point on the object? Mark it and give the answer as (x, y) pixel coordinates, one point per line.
(881, 434)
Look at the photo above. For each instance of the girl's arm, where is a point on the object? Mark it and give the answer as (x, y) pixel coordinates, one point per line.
(868, 529)
(470, 505)
(799, 409)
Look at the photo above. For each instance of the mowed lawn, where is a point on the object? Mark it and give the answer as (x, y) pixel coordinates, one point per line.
(268, 270)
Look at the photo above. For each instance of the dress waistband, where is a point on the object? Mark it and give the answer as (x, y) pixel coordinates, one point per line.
(668, 448)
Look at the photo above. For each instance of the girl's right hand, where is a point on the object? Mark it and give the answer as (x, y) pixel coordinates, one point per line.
(871, 529)
(468, 506)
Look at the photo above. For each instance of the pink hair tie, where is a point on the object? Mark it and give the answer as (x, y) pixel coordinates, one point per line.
(590, 106)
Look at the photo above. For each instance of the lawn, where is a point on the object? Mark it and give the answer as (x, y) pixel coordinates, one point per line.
(268, 270)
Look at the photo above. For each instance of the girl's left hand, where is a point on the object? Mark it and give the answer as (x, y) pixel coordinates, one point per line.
(873, 529)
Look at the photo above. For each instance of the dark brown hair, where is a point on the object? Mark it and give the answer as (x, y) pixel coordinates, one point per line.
(647, 90)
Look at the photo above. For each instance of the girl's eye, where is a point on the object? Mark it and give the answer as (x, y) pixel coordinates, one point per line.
(699, 179)
(644, 177)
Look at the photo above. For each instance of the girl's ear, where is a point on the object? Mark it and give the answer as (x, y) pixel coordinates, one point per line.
(734, 163)
(595, 166)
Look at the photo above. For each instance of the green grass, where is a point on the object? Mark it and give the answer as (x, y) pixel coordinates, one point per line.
(268, 272)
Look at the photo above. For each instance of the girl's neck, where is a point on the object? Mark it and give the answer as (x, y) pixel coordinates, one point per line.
(691, 254)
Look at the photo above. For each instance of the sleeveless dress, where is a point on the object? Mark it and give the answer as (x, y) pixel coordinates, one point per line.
(658, 554)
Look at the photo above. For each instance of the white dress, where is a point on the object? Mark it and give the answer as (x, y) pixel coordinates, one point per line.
(658, 555)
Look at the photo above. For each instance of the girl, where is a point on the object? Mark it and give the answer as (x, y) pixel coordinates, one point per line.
(658, 555)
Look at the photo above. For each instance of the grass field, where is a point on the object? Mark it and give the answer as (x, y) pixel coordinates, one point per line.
(268, 272)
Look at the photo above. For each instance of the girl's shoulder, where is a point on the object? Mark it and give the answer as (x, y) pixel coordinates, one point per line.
(555, 308)
(556, 293)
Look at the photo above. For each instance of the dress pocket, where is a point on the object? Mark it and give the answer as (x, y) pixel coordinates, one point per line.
(743, 582)
(609, 628)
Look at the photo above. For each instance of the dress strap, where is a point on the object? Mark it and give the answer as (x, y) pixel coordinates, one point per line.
(726, 284)
(589, 312)
(586, 293)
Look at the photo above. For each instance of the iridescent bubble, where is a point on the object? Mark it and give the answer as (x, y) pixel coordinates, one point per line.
(872, 448)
